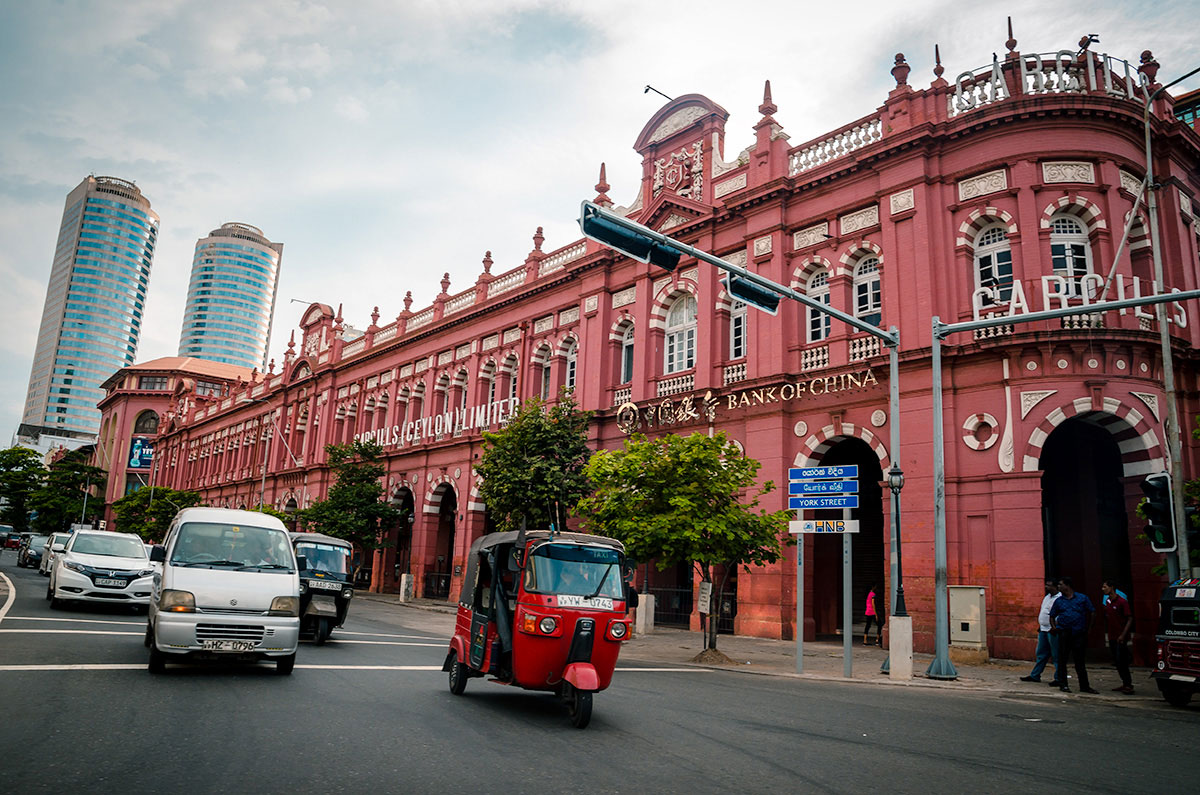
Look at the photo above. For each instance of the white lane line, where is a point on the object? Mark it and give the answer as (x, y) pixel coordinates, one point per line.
(12, 595)
(142, 667)
(337, 642)
(68, 632)
(668, 670)
(78, 620)
(386, 635)
(79, 667)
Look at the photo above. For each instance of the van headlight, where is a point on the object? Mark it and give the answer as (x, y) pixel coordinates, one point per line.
(177, 602)
(285, 606)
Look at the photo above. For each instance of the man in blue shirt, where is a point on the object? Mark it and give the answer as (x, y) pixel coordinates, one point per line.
(1071, 617)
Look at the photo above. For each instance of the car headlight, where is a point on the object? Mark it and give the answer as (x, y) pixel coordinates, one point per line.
(347, 593)
(285, 606)
(177, 602)
(145, 572)
(73, 566)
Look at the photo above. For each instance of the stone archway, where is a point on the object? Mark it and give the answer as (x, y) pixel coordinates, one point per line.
(439, 568)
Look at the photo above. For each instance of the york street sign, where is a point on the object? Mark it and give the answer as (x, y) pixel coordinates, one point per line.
(822, 501)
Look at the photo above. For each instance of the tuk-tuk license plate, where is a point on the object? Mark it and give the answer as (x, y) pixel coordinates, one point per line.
(327, 585)
(1185, 593)
(598, 603)
(227, 645)
(110, 582)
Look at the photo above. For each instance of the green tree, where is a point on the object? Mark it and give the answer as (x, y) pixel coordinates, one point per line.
(60, 501)
(149, 511)
(534, 466)
(21, 474)
(677, 499)
(355, 509)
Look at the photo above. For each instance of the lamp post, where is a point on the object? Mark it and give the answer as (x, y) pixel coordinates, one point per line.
(895, 480)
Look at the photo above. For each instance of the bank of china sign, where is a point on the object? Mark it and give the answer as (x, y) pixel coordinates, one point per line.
(707, 406)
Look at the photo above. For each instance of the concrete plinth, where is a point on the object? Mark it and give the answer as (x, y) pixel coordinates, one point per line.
(406, 587)
(643, 620)
(968, 655)
(900, 648)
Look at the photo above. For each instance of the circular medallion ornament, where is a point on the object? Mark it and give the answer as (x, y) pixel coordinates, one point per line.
(1062, 364)
(878, 418)
(801, 428)
(1120, 364)
(1092, 363)
(979, 431)
(1145, 367)
(457, 473)
(429, 477)
(1031, 366)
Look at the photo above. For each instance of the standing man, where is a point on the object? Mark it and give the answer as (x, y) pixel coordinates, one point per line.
(1047, 645)
(1118, 623)
(1071, 617)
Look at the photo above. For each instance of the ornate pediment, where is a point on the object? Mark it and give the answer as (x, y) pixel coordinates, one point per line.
(672, 211)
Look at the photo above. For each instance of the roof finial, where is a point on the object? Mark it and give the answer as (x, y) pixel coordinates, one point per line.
(446, 283)
(1149, 66)
(937, 62)
(900, 70)
(338, 318)
(767, 107)
(1011, 44)
(602, 190)
(375, 317)
(407, 300)
(487, 262)
(538, 239)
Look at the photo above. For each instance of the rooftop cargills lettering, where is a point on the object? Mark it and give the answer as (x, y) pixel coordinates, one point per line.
(1058, 292)
(432, 427)
(690, 408)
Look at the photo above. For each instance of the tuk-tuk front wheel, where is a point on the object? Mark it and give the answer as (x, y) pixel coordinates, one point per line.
(322, 632)
(1176, 695)
(579, 706)
(458, 675)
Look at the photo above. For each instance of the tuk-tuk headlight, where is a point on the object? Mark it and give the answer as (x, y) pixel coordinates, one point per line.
(177, 602)
(285, 606)
(347, 593)
(617, 630)
(303, 586)
(548, 624)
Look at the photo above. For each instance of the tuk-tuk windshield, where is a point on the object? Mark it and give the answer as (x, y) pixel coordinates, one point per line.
(326, 558)
(574, 569)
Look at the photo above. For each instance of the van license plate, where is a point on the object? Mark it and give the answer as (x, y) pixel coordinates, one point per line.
(110, 582)
(227, 645)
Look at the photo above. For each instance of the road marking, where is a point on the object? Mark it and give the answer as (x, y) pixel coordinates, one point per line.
(12, 595)
(668, 670)
(337, 642)
(78, 620)
(372, 667)
(77, 667)
(142, 667)
(341, 632)
(68, 632)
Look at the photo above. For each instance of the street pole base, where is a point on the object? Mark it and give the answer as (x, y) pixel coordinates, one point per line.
(886, 668)
(941, 669)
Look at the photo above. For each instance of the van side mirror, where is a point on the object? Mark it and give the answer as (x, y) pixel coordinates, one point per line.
(158, 554)
(58, 548)
(301, 563)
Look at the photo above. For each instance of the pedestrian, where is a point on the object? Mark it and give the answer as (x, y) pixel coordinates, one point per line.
(1118, 623)
(1047, 645)
(873, 613)
(1071, 617)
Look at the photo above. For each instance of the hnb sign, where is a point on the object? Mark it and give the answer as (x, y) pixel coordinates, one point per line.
(823, 526)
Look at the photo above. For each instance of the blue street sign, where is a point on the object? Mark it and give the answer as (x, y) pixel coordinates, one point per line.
(823, 501)
(847, 471)
(823, 487)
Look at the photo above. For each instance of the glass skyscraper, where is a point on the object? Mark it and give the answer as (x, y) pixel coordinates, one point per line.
(231, 297)
(92, 318)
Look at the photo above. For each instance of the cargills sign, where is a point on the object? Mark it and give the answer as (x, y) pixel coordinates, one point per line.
(433, 427)
(689, 408)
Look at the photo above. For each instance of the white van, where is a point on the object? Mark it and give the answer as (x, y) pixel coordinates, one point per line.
(229, 589)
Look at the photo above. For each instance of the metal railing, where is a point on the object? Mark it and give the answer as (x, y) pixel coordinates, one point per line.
(437, 586)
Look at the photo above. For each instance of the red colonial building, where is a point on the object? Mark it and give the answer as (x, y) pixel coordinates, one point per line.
(1003, 190)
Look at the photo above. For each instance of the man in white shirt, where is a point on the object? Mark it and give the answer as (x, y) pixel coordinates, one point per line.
(1047, 645)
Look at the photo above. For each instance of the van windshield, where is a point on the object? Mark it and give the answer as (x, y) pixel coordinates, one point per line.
(211, 545)
(574, 569)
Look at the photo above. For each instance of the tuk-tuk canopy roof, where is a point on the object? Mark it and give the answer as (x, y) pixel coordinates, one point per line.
(319, 538)
(510, 537)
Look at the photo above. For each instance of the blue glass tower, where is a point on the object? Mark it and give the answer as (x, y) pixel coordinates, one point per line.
(231, 297)
(92, 318)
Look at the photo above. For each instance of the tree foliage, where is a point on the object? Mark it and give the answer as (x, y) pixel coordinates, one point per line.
(150, 511)
(678, 499)
(533, 467)
(21, 474)
(354, 509)
(60, 500)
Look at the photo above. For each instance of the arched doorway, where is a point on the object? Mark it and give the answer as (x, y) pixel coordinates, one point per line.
(440, 569)
(1085, 526)
(398, 559)
(867, 545)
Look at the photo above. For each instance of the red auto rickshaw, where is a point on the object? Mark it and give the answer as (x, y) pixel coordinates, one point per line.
(541, 611)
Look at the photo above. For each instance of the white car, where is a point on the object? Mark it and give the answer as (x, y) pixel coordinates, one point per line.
(99, 566)
(53, 546)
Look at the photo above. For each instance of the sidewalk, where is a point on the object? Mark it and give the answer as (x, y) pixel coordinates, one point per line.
(823, 660)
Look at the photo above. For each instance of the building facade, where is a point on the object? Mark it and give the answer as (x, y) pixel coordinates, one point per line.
(231, 297)
(92, 318)
(1005, 191)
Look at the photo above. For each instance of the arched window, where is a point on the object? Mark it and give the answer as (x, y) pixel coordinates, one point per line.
(818, 322)
(543, 361)
(417, 405)
(993, 262)
(146, 423)
(460, 388)
(681, 335)
(511, 365)
(868, 301)
(441, 394)
(737, 330)
(572, 357)
(489, 377)
(627, 355)
(1070, 252)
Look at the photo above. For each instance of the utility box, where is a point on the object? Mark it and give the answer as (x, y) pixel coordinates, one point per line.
(968, 616)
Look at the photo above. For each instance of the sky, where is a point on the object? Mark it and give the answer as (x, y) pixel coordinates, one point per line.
(387, 143)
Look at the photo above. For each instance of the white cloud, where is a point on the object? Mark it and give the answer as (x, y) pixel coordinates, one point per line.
(351, 109)
(277, 89)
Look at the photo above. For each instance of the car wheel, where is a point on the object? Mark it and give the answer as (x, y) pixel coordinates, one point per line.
(1177, 696)
(49, 592)
(158, 660)
(458, 675)
(284, 665)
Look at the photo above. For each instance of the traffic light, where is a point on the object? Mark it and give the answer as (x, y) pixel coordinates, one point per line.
(753, 294)
(624, 239)
(1159, 512)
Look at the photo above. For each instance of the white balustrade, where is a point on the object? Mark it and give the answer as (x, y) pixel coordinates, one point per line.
(814, 358)
(459, 303)
(622, 395)
(673, 386)
(863, 348)
(734, 373)
(837, 145)
(420, 320)
(558, 260)
(509, 281)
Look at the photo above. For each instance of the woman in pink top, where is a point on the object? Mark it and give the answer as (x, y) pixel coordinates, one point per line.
(873, 614)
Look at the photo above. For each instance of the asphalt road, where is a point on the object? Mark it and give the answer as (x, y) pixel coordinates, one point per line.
(370, 712)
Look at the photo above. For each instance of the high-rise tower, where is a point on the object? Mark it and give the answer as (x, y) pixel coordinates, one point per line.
(92, 317)
(231, 297)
